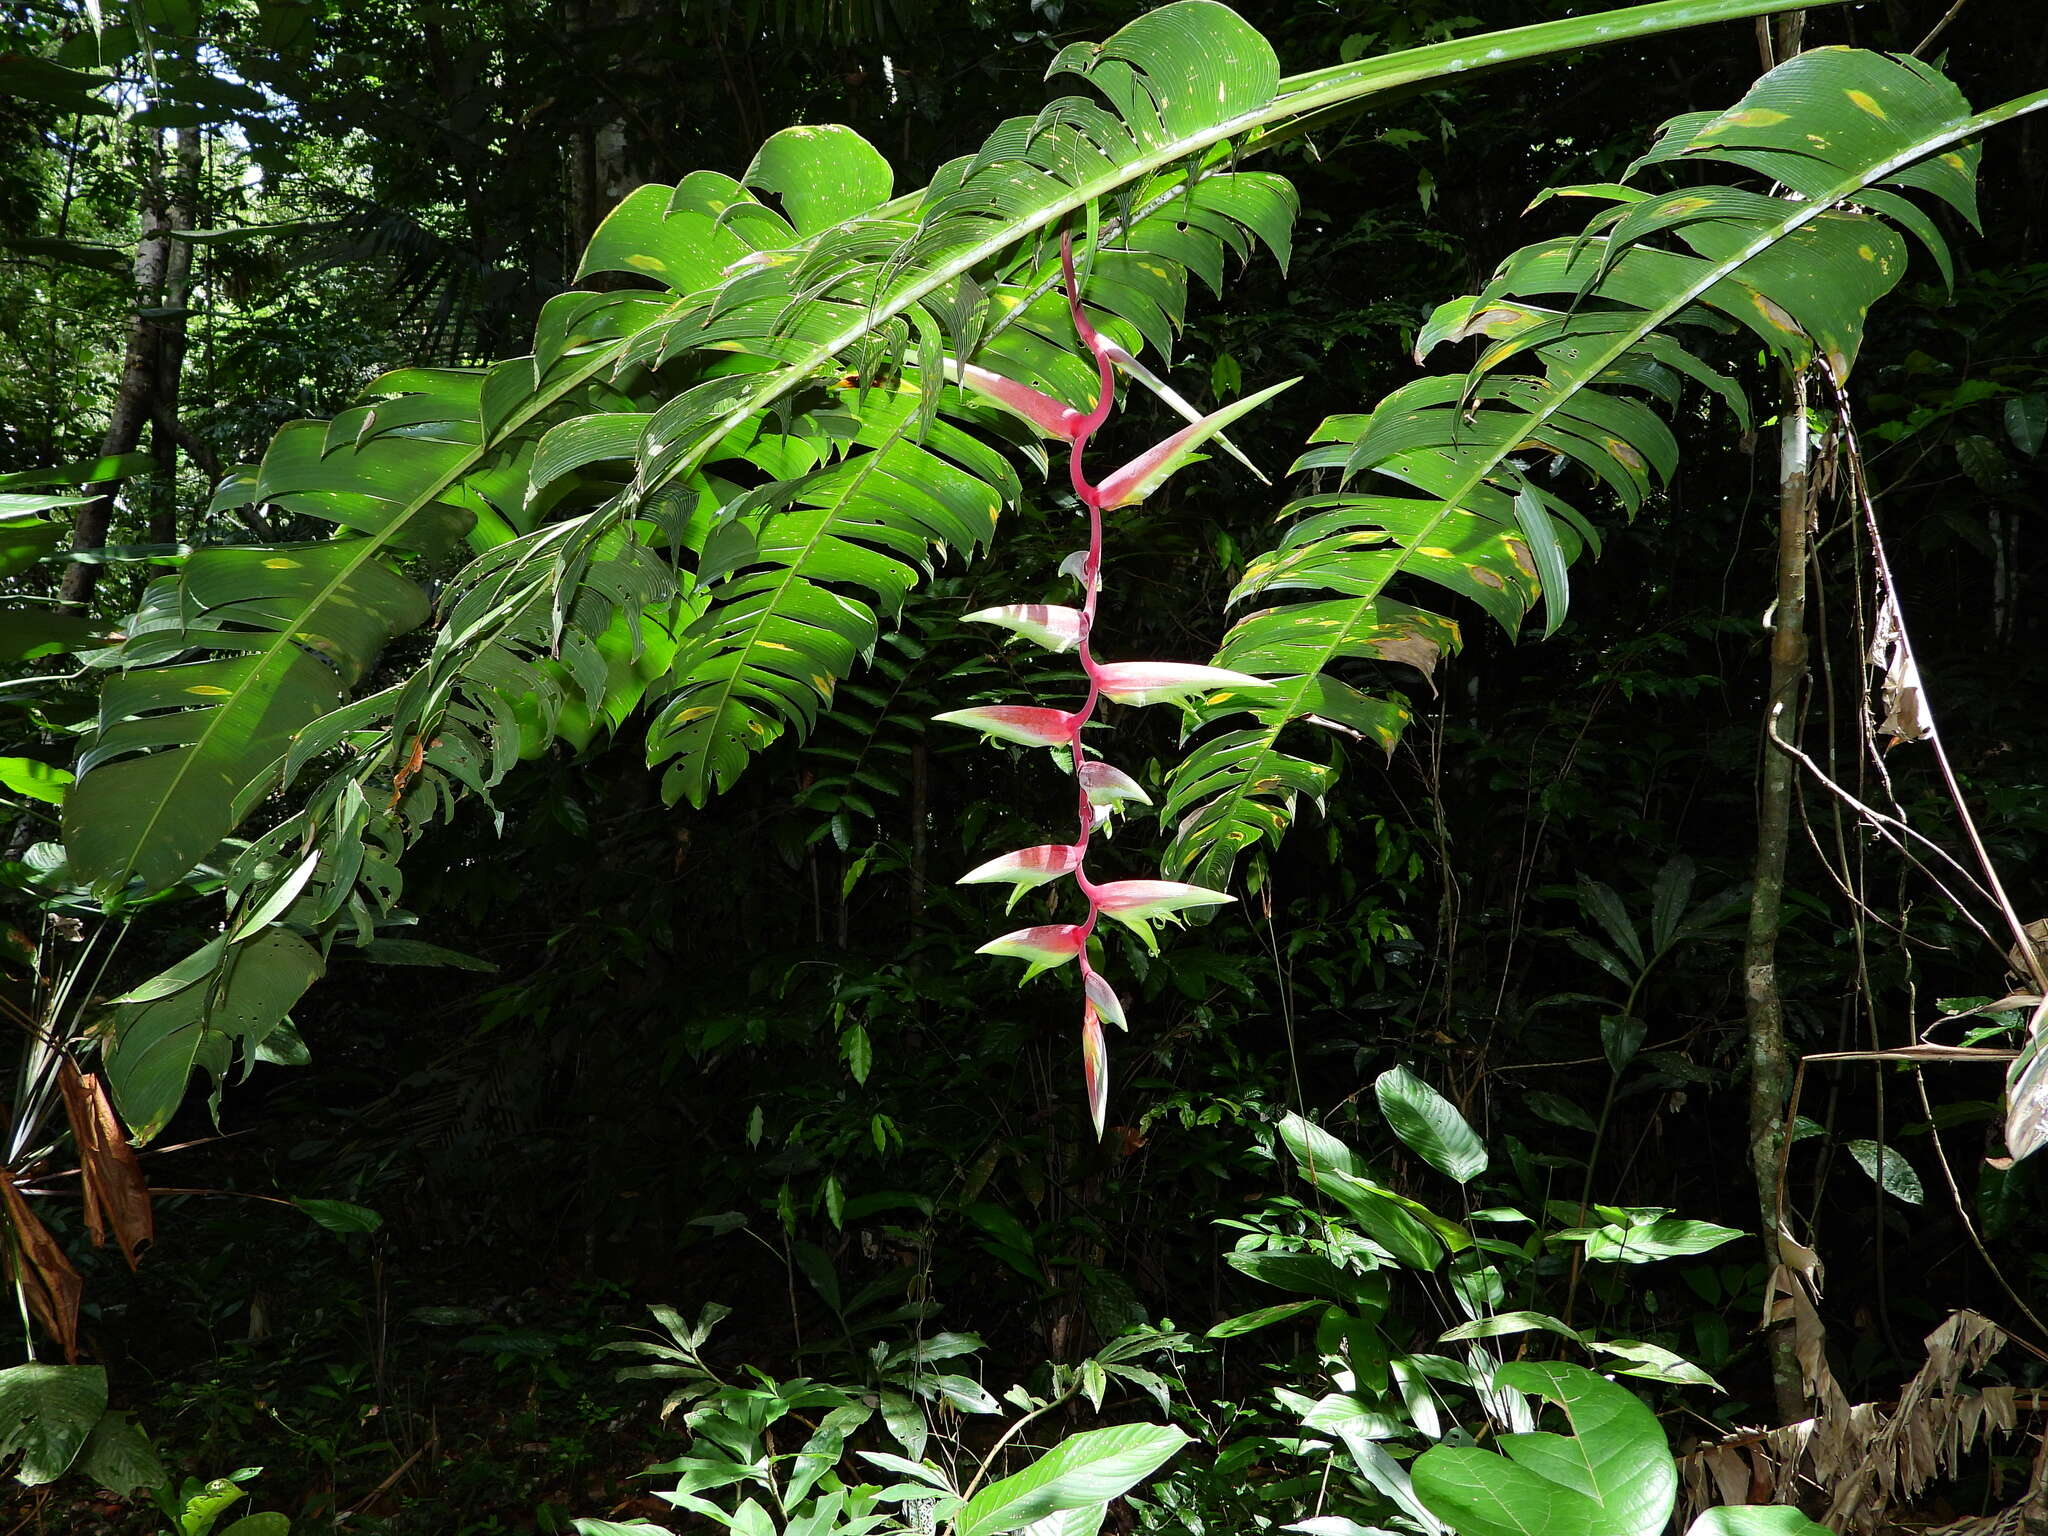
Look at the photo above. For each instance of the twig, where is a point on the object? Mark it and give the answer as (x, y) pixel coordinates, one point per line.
(1949, 16)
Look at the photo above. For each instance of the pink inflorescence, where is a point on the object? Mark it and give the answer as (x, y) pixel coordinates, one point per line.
(1098, 785)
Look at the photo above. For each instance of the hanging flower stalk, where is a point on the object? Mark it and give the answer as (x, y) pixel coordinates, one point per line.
(1100, 788)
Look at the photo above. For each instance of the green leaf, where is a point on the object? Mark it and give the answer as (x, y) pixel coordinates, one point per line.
(1888, 1169)
(118, 1457)
(1505, 1323)
(1613, 1476)
(2026, 422)
(300, 623)
(1264, 1317)
(47, 1413)
(37, 780)
(1085, 1521)
(1652, 1362)
(1754, 1520)
(1668, 1237)
(824, 175)
(339, 1215)
(1086, 1469)
(1315, 1149)
(1429, 1125)
(1452, 500)
(1311, 1274)
(260, 1525)
(1559, 1110)
(196, 1014)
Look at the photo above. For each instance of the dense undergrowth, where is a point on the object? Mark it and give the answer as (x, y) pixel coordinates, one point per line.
(746, 1055)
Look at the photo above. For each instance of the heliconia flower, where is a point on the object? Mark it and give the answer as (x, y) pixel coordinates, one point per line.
(1174, 401)
(1025, 724)
(1102, 997)
(1128, 899)
(1150, 469)
(1110, 786)
(1026, 869)
(1167, 682)
(1094, 1067)
(1057, 629)
(1040, 948)
(1053, 417)
(1138, 904)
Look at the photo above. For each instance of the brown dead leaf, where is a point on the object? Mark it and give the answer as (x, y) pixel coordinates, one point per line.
(37, 1264)
(1869, 1461)
(116, 1194)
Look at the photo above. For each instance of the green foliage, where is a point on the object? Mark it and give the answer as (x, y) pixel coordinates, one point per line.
(732, 1474)
(47, 1413)
(1603, 313)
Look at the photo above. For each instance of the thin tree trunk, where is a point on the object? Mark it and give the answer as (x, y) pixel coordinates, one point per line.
(1770, 1066)
(137, 390)
(165, 436)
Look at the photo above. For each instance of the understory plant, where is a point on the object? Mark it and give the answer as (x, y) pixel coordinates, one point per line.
(1387, 1430)
(811, 1457)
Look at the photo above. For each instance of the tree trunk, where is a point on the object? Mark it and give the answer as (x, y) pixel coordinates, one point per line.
(165, 436)
(137, 392)
(1764, 1008)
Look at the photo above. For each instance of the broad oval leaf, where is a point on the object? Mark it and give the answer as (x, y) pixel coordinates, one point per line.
(1429, 1125)
(1090, 1468)
(1613, 1476)
(46, 1413)
(1888, 1169)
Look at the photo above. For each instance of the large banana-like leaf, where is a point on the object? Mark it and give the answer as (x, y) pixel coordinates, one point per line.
(764, 302)
(1466, 495)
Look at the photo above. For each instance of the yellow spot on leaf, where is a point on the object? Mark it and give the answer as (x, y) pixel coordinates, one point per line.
(1867, 102)
(695, 712)
(1625, 453)
(647, 263)
(1753, 117)
(280, 563)
(1953, 161)
(773, 645)
(1774, 315)
(208, 691)
(1486, 578)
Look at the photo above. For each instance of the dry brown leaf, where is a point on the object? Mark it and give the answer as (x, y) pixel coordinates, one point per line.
(116, 1193)
(1869, 1461)
(37, 1264)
